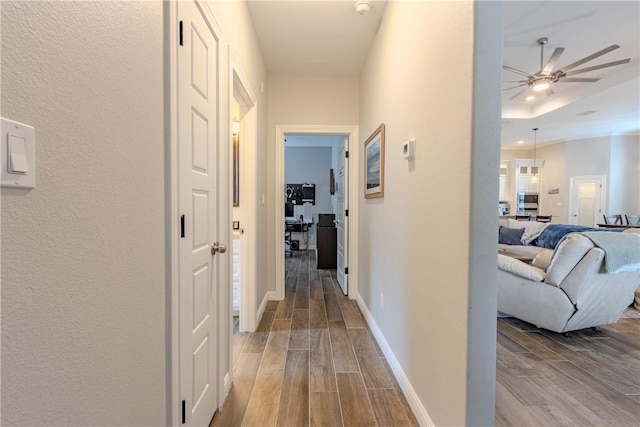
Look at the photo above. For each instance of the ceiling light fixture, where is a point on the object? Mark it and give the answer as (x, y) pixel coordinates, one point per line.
(530, 98)
(541, 84)
(534, 169)
(362, 6)
(520, 142)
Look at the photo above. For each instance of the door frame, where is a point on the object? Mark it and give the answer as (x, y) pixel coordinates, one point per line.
(172, 213)
(240, 89)
(351, 131)
(574, 181)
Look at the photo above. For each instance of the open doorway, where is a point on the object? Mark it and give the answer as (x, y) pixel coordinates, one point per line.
(312, 208)
(243, 146)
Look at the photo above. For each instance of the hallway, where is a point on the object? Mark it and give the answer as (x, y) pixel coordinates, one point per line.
(312, 361)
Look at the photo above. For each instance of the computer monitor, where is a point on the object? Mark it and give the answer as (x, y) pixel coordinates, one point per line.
(288, 209)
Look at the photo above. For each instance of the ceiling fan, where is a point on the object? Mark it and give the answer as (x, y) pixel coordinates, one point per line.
(542, 80)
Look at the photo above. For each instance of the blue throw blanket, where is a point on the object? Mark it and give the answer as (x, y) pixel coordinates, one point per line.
(552, 234)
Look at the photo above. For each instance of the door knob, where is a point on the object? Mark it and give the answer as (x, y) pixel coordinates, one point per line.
(218, 248)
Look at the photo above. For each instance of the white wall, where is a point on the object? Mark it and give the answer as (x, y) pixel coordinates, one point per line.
(624, 182)
(310, 165)
(304, 100)
(554, 175)
(437, 272)
(237, 27)
(616, 157)
(83, 277)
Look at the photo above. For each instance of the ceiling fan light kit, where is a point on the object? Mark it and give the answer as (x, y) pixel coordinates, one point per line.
(545, 77)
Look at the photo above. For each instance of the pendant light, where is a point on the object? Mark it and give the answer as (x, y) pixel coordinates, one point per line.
(534, 169)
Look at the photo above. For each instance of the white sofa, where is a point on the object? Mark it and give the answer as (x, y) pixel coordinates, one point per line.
(565, 289)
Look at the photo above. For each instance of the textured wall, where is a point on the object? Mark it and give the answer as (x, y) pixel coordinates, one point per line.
(235, 21)
(304, 100)
(429, 244)
(83, 277)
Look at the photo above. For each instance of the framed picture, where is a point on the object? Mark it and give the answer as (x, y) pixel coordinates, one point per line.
(374, 164)
(236, 170)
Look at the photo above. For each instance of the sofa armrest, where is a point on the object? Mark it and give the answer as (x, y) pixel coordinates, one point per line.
(521, 269)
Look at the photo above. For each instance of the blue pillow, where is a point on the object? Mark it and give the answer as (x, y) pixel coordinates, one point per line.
(510, 236)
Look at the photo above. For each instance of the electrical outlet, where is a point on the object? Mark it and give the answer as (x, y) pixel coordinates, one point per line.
(381, 300)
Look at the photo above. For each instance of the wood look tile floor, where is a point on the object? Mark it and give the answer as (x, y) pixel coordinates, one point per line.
(312, 362)
(589, 378)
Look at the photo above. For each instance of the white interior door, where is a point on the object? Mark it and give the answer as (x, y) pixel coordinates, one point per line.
(586, 200)
(342, 220)
(198, 119)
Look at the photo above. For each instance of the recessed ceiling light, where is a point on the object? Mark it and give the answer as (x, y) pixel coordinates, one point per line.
(362, 6)
(520, 142)
(530, 98)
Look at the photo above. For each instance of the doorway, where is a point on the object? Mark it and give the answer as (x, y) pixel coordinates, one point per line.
(349, 235)
(586, 198)
(243, 146)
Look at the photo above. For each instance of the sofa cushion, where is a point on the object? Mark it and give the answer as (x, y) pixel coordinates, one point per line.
(519, 268)
(510, 236)
(569, 251)
(542, 259)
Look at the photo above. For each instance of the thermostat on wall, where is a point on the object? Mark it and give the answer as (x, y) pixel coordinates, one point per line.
(409, 149)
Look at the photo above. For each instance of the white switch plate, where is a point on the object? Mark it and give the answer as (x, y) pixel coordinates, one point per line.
(15, 132)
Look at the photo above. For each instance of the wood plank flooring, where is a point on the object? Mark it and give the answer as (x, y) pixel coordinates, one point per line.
(312, 362)
(589, 378)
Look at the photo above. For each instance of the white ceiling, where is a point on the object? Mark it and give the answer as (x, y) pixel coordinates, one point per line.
(329, 37)
(314, 37)
(582, 28)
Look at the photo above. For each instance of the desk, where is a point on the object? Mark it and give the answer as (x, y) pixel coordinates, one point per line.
(293, 225)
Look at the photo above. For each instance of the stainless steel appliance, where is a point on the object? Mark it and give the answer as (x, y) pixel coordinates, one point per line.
(504, 207)
(528, 202)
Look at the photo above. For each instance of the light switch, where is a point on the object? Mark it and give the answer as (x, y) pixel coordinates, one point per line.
(17, 155)
(18, 144)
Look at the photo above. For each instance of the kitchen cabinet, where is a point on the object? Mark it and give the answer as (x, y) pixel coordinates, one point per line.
(503, 182)
(528, 176)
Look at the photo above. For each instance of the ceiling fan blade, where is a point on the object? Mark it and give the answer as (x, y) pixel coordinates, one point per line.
(518, 94)
(579, 80)
(513, 87)
(514, 70)
(514, 81)
(590, 57)
(597, 67)
(552, 61)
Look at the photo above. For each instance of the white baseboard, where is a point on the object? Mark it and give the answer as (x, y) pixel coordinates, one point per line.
(412, 398)
(227, 384)
(263, 306)
(271, 296)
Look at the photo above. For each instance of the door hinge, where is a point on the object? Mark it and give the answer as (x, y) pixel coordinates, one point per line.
(184, 412)
(346, 270)
(346, 154)
(182, 226)
(181, 39)
(346, 212)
